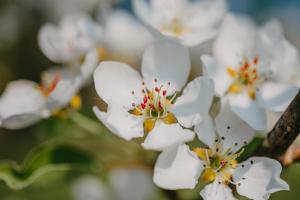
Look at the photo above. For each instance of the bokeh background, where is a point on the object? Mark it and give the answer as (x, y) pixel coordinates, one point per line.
(21, 58)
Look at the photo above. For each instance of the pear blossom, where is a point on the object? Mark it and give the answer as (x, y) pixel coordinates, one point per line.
(131, 43)
(190, 22)
(217, 165)
(253, 67)
(24, 102)
(123, 184)
(71, 40)
(151, 104)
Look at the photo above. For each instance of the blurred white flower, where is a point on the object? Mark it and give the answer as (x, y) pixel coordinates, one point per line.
(123, 184)
(253, 67)
(69, 42)
(217, 165)
(24, 102)
(191, 22)
(149, 104)
(125, 38)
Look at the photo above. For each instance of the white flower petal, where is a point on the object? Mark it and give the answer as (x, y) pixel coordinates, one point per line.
(248, 110)
(63, 93)
(260, 179)
(206, 132)
(131, 184)
(218, 73)
(20, 121)
(276, 96)
(115, 82)
(50, 42)
(60, 73)
(217, 191)
(89, 187)
(164, 136)
(272, 118)
(166, 61)
(177, 168)
(133, 40)
(79, 34)
(21, 104)
(73, 38)
(91, 61)
(232, 130)
(120, 122)
(195, 38)
(236, 39)
(280, 53)
(142, 10)
(210, 13)
(194, 103)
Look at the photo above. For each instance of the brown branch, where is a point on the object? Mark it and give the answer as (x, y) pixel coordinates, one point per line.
(284, 132)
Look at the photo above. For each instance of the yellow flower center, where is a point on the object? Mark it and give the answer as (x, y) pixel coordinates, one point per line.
(218, 163)
(155, 106)
(244, 78)
(175, 27)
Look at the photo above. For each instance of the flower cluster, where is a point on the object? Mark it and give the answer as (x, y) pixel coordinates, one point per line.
(251, 70)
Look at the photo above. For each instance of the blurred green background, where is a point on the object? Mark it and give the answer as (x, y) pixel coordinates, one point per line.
(20, 58)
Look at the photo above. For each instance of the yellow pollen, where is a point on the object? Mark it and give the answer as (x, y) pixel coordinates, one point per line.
(61, 114)
(102, 53)
(232, 72)
(169, 119)
(208, 175)
(235, 88)
(149, 124)
(175, 27)
(76, 102)
(202, 153)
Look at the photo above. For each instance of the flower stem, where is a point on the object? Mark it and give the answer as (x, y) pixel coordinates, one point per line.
(87, 123)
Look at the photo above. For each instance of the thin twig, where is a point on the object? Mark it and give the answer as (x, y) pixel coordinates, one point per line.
(284, 132)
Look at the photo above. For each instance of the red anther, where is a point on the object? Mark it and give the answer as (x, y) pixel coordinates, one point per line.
(246, 75)
(255, 60)
(254, 70)
(164, 92)
(223, 163)
(149, 97)
(157, 89)
(143, 106)
(245, 66)
(152, 106)
(145, 99)
(159, 104)
(54, 83)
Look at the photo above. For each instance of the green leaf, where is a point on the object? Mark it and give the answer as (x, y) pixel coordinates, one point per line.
(41, 161)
